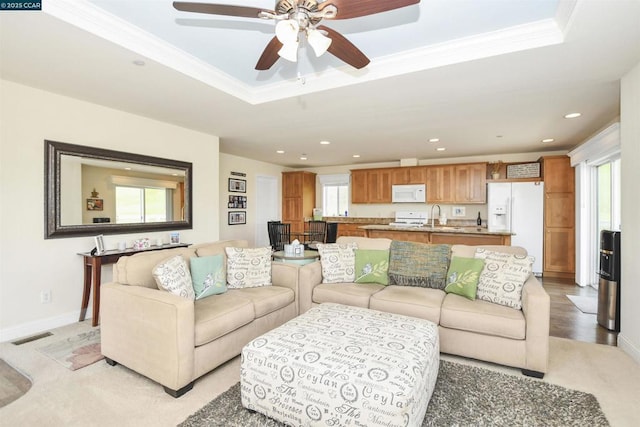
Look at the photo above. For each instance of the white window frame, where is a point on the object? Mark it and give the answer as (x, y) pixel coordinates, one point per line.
(333, 180)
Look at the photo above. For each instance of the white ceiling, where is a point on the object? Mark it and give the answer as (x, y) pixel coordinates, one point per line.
(486, 77)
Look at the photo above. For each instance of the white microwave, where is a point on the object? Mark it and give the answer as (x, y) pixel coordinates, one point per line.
(410, 193)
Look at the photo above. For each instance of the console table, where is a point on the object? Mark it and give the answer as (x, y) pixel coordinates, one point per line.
(93, 268)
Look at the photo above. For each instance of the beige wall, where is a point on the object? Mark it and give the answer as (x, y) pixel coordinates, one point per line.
(629, 338)
(29, 264)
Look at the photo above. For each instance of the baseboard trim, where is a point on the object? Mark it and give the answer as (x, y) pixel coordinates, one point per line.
(38, 326)
(628, 347)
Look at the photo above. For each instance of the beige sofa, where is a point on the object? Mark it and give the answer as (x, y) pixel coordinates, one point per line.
(475, 329)
(173, 340)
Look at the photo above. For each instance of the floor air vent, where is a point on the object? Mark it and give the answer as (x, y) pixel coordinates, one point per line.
(32, 338)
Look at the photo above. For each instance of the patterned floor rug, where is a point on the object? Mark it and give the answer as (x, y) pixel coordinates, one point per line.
(463, 396)
(77, 351)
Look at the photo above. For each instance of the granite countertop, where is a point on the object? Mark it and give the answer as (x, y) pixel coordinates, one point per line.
(437, 229)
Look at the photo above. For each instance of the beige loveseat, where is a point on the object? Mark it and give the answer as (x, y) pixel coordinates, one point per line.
(173, 340)
(475, 329)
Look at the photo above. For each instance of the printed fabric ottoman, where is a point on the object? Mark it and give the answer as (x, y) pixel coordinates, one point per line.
(338, 365)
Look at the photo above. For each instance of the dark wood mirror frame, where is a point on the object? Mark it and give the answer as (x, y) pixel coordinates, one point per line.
(52, 200)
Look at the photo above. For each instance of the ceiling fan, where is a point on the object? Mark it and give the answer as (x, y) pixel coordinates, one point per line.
(297, 17)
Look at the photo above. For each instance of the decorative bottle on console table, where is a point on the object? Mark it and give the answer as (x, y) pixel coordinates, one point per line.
(479, 220)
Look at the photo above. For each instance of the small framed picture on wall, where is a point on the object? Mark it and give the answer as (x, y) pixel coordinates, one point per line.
(237, 217)
(237, 185)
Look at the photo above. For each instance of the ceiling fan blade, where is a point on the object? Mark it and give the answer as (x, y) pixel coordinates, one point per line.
(220, 9)
(269, 55)
(343, 49)
(353, 9)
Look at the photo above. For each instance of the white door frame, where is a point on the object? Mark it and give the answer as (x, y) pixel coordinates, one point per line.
(267, 206)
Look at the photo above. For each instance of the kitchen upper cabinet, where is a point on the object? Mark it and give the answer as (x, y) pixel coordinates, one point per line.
(371, 186)
(471, 183)
(558, 175)
(359, 186)
(440, 184)
(298, 198)
(409, 175)
(379, 186)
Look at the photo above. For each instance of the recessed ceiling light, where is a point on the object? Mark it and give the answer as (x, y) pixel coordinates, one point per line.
(434, 139)
(440, 149)
(127, 169)
(325, 142)
(356, 156)
(280, 151)
(548, 140)
(138, 62)
(572, 115)
(303, 157)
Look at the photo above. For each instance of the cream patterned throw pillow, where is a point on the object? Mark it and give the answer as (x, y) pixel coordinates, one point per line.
(338, 262)
(173, 275)
(503, 277)
(248, 267)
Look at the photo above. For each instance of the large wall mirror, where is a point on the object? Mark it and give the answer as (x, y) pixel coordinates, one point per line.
(90, 191)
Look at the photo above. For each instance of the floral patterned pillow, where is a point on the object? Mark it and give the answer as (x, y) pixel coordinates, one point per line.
(372, 266)
(173, 275)
(503, 277)
(208, 275)
(463, 276)
(338, 262)
(248, 267)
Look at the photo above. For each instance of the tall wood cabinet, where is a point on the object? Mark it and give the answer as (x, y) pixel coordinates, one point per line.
(298, 198)
(559, 217)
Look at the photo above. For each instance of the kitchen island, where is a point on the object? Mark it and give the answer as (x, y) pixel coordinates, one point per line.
(464, 235)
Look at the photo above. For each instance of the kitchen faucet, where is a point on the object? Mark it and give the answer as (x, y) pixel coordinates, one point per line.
(432, 217)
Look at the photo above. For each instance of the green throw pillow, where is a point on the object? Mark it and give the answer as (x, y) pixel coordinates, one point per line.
(463, 276)
(208, 275)
(372, 266)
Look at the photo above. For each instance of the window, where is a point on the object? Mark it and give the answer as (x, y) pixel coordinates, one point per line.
(608, 196)
(335, 194)
(143, 204)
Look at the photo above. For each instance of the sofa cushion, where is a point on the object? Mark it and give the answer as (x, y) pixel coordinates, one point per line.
(356, 294)
(469, 251)
(423, 303)
(372, 266)
(482, 317)
(463, 276)
(173, 275)
(220, 314)
(503, 276)
(418, 264)
(208, 275)
(338, 262)
(135, 270)
(248, 267)
(267, 299)
(377, 243)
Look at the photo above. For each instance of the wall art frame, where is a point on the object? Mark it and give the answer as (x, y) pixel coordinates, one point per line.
(237, 217)
(237, 185)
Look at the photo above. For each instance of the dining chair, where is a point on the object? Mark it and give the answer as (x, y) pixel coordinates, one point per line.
(332, 232)
(316, 231)
(272, 232)
(282, 236)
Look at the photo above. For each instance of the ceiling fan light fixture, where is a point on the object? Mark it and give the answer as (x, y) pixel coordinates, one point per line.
(289, 51)
(287, 31)
(318, 41)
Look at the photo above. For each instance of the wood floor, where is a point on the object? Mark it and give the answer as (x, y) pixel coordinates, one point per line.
(567, 321)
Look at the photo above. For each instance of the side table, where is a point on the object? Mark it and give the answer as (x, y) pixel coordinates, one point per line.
(93, 269)
(306, 258)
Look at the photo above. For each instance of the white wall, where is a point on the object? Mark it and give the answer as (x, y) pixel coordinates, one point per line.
(252, 168)
(629, 338)
(30, 264)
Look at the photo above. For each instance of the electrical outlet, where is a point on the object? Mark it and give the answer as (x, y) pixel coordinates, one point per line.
(45, 297)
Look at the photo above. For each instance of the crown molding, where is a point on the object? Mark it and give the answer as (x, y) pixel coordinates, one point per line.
(90, 18)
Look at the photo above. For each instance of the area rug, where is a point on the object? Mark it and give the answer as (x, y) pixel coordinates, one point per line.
(463, 396)
(77, 351)
(13, 384)
(588, 305)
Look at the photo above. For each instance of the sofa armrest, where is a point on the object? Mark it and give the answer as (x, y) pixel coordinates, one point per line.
(149, 331)
(310, 277)
(536, 307)
(286, 275)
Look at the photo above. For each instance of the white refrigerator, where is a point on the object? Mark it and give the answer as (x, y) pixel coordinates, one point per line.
(517, 207)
